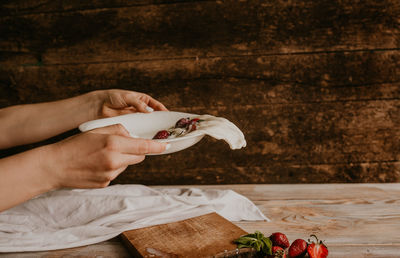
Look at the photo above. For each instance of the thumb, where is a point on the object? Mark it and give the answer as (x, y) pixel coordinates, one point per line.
(117, 129)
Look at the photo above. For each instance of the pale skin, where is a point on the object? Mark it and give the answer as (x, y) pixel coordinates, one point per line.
(87, 160)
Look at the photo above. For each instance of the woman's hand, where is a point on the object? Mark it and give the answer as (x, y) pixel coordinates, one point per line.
(119, 102)
(30, 123)
(94, 158)
(87, 160)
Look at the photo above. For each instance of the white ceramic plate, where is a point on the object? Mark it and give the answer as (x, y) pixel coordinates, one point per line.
(146, 125)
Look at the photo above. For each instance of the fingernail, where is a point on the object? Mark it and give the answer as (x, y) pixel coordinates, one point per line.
(149, 109)
(167, 146)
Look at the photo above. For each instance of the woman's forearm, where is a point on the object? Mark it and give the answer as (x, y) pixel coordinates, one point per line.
(30, 123)
(23, 176)
(86, 160)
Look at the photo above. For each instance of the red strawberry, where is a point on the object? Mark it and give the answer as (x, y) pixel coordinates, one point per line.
(163, 134)
(279, 239)
(194, 120)
(298, 248)
(277, 252)
(317, 250)
(191, 126)
(182, 123)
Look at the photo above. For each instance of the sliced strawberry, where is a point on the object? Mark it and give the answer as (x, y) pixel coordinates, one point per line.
(318, 249)
(298, 248)
(192, 125)
(163, 134)
(279, 239)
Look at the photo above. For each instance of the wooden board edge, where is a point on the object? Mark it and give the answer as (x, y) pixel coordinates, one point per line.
(132, 250)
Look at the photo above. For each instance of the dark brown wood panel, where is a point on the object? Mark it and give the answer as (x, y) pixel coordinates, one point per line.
(300, 145)
(327, 133)
(185, 83)
(268, 174)
(310, 133)
(21, 7)
(314, 85)
(201, 28)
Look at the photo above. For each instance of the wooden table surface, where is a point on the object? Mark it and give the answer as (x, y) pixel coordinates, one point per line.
(356, 220)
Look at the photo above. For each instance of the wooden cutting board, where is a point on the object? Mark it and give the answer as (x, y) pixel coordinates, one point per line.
(203, 236)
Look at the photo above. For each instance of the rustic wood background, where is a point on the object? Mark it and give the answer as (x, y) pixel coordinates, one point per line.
(314, 85)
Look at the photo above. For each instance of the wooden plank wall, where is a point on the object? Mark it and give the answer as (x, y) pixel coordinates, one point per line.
(314, 85)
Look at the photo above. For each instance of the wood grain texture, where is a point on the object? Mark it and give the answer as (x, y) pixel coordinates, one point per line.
(209, 82)
(109, 249)
(114, 30)
(202, 236)
(356, 220)
(352, 218)
(314, 85)
(268, 173)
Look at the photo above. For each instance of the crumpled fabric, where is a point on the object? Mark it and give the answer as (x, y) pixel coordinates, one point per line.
(77, 217)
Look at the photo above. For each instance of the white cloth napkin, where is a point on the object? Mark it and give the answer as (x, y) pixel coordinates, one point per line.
(71, 218)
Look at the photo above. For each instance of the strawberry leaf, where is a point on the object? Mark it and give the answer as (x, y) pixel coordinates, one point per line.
(257, 241)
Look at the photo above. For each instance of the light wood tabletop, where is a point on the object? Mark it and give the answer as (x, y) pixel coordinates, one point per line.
(355, 220)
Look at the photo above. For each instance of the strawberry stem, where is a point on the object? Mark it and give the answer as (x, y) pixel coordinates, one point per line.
(316, 238)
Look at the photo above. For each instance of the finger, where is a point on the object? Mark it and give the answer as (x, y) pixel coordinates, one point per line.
(125, 160)
(133, 101)
(143, 102)
(119, 112)
(128, 159)
(112, 164)
(94, 184)
(117, 129)
(156, 105)
(137, 146)
(114, 174)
